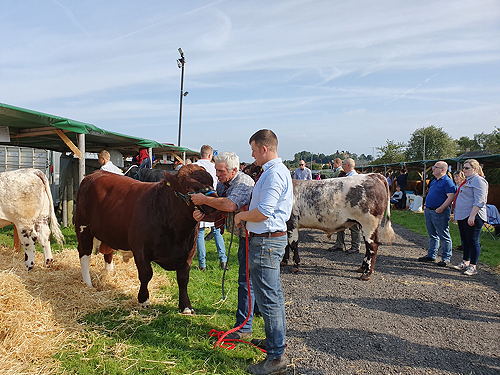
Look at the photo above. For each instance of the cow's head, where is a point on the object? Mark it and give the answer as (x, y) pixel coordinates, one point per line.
(193, 178)
(253, 170)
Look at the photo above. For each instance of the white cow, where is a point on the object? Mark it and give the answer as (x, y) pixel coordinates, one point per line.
(26, 202)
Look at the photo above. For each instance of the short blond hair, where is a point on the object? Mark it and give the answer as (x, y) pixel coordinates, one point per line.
(104, 155)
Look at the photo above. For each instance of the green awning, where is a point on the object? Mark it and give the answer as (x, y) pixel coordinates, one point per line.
(29, 128)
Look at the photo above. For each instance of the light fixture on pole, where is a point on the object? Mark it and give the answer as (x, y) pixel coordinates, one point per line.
(180, 64)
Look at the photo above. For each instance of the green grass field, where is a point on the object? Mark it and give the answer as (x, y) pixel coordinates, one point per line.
(159, 340)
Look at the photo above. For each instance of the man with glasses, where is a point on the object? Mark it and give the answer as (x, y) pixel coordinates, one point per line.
(437, 215)
(302, 172)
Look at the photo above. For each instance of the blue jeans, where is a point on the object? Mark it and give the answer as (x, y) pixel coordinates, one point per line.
(265, 256)
(470, 238)
(202, 251)
(242, 311)
(439, 233)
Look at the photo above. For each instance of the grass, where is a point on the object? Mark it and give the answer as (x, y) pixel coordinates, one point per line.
(159, 340)
(490, 248)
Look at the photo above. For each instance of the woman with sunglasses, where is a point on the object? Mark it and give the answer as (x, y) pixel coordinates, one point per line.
(470, 213)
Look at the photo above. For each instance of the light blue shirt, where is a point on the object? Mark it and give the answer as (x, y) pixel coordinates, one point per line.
(273, 197)
(473, 193)
(351, 173)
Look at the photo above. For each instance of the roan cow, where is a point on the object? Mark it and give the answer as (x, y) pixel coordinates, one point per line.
(335, 204)
(153, 220)
(26, 202)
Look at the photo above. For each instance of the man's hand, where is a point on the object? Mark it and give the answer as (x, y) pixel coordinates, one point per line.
(471, 220)
(237, 220)
(198, 215)
(439, 210)
(198, 199)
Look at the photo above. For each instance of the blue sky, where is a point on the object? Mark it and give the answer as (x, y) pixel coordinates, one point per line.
(324, 75)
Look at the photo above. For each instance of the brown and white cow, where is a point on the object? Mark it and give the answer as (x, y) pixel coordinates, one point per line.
(26, 202)
(335, 204)
(153, 220)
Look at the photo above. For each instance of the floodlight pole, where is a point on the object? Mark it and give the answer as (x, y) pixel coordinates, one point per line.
(180, 64)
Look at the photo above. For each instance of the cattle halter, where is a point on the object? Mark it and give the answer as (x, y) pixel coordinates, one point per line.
(187, 197)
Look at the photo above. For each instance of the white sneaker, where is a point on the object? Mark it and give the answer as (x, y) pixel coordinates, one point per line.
(462, 266)
(471, 270)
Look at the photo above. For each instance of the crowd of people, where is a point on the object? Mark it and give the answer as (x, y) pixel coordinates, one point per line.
(262, 208)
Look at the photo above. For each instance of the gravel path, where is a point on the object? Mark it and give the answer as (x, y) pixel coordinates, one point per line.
(410, 318)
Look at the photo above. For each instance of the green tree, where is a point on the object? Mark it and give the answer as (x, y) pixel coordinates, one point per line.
(465, 144)
(392, 152)
(438, 144)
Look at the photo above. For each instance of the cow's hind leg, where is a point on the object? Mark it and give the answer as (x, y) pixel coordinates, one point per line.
(182, 281)
(85, 244)
(368, 265)
(44, 239)
(26, 236)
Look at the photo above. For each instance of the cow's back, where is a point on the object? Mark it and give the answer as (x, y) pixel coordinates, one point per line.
(323, 204)
(23, 198)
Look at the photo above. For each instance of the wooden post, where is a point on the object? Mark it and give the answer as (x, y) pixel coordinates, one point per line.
(65, 206)
(81, 161)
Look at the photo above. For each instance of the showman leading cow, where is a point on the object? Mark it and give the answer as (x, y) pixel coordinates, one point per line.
(153, 220)
(335, 204)
(26, 202)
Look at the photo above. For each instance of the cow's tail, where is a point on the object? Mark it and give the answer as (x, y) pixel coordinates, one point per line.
(385, 232)
(54, 225)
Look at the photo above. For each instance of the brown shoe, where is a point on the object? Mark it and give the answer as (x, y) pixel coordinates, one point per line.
(269, 366)
(238, 335)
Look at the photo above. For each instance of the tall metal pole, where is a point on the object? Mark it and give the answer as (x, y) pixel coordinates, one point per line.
(424, 174)
(180, 63)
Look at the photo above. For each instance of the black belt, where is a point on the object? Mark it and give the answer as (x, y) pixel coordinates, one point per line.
(429, 208)
(267, 234)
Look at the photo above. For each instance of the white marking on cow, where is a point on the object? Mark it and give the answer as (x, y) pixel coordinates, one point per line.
(85, 266)
(145, 304)
(109, 267)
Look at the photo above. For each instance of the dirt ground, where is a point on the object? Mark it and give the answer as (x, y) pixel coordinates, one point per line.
(410, 318)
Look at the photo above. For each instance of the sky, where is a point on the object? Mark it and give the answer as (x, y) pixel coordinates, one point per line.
(323, 75)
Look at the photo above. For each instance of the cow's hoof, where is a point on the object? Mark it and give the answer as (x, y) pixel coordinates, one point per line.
(49, 263)
(360, 270)
(295, 269)
(365, 277)
(30, 265)
(283, 263)
(187, 311)
(145, 304)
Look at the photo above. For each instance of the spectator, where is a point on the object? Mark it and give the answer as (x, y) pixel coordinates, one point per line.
(205, 161)
(348, 170)
(397, 197)
(104, 160)
(302, 172)
(337, 167)
(402, 179)
(437, 215)
(470, 212)
(143, 160)
(234, 190)
(270, 209)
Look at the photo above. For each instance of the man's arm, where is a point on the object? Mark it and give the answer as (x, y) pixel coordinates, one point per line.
(254, 216)
(220, 203)
(446, 203)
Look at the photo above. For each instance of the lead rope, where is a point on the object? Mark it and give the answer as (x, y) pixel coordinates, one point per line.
(230, 344)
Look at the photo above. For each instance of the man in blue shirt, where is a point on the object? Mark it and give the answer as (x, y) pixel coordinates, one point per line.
(270, 209)
(302, 172)
(437, 214)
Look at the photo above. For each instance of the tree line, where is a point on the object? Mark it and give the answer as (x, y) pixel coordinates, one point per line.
(427, 143)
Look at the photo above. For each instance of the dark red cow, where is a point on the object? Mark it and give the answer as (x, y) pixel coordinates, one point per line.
(153, 220)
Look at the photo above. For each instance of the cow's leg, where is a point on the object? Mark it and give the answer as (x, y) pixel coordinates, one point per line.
(145, 272)
(44, 239)
(85, 244)
(368, 265)
(107, 251)
(26, 240)
(182, 282)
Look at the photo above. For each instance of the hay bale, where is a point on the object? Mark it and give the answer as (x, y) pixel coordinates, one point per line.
(40, 309)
